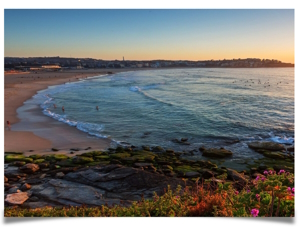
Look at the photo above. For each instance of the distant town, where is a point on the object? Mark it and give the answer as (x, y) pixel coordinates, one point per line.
(62, 63)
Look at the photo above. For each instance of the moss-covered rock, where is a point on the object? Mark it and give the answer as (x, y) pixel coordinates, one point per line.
(271, 146)
(120, 155)
(216, 153)
(102, 157)
(55, 157)
(274, 155)
(92, 154)
(19, 163)
(81, 160)
(35, 156)
(14, 157)
(37, 161)
(185, 168)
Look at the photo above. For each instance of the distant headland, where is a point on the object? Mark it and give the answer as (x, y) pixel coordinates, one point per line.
(61, 63)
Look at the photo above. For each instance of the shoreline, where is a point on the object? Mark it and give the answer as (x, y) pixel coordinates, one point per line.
(21, 87)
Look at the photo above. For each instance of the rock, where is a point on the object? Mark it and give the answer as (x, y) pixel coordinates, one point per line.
(59, 175)
(119, 149)
(271, 146)
(235, 176)
(291, 149)
(202, 148)
(146, 148)
(88, 148)
(184, 139)
(71, 152)
(170, 151)
(54, 149)
(43, 176)
(158, 149)
(5, 179)
(192, 174)
(29, 168)
(167, 167)
(35, 156)
(19, 163)
(277, 168)
(33, 199)
(208, 174)
(274, 155)
(13, 189)
(44, 165)
(214, 183)
(142, 164)
(17, 198)
(216, 153)
(75, 149)
(81, 160)
(25, 187)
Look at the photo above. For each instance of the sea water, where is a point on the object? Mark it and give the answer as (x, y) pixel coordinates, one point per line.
(210, 106)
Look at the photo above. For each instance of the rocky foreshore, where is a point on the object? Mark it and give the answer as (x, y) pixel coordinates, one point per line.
(125, 174)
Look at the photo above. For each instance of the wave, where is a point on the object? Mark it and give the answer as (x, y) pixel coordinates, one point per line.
(138, 89)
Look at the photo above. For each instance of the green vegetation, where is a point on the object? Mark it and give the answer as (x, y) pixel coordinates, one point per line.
(267, 196)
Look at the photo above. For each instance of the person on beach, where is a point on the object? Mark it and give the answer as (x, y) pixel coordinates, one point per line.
(63, 109)
(97, 108)
(8, 124)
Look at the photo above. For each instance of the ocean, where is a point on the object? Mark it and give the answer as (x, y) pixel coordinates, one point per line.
(211, 107)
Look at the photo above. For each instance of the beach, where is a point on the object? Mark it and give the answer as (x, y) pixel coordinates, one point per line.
(20, 87)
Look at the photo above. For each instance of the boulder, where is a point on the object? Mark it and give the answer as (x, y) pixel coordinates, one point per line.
(291, 149)
(17, 198)
(29, 168)
(216, 153)
(54, 149)
(270, 146)
(208, 174)
(158, 149)
(13, 189)
(184, 139)
(142, 164)
(81, 160)
(25, 187)
(59, 175)
(235, 176)
(274, 155)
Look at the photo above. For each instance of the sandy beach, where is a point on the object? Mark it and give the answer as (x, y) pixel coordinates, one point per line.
(42, 137)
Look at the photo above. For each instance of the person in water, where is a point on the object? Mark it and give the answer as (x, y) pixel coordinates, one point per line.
(97, 108)
(63, 109)
(54, 106)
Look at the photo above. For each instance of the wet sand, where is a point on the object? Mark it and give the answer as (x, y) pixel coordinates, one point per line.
(38, 132)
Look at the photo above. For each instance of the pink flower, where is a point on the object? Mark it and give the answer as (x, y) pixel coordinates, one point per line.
(248, 191)
(293, 190)
(265, 172)
(254, 212)
(257, 196)
(257, 178)
(263, 179)
(287, 173)
(289, 189)
(236, 192)
(281, 171)
(271, 172)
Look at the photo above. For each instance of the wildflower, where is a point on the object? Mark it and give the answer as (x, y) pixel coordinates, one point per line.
(257, 196)
(281, 171)
(265, 172)
(287, 173)
(257, 178)
(289, 189)
(263, 179)
(248, 191)
(293, 190)
(271, 172)
(236, 192)
(254, 212)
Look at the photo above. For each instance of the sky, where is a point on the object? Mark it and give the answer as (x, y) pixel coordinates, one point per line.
(146, 34)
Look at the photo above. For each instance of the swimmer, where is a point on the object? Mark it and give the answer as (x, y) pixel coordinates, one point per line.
(97, 108)
(54, 106)
(63, 109)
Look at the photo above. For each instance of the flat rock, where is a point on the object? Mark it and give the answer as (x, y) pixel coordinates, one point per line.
(17, 198)
(29, 168)
(216, 153)
(271, 146)
(207, 174)
(142, 164)
(192, 174)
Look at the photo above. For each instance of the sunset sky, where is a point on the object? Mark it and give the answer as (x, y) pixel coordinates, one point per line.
(150, 34)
